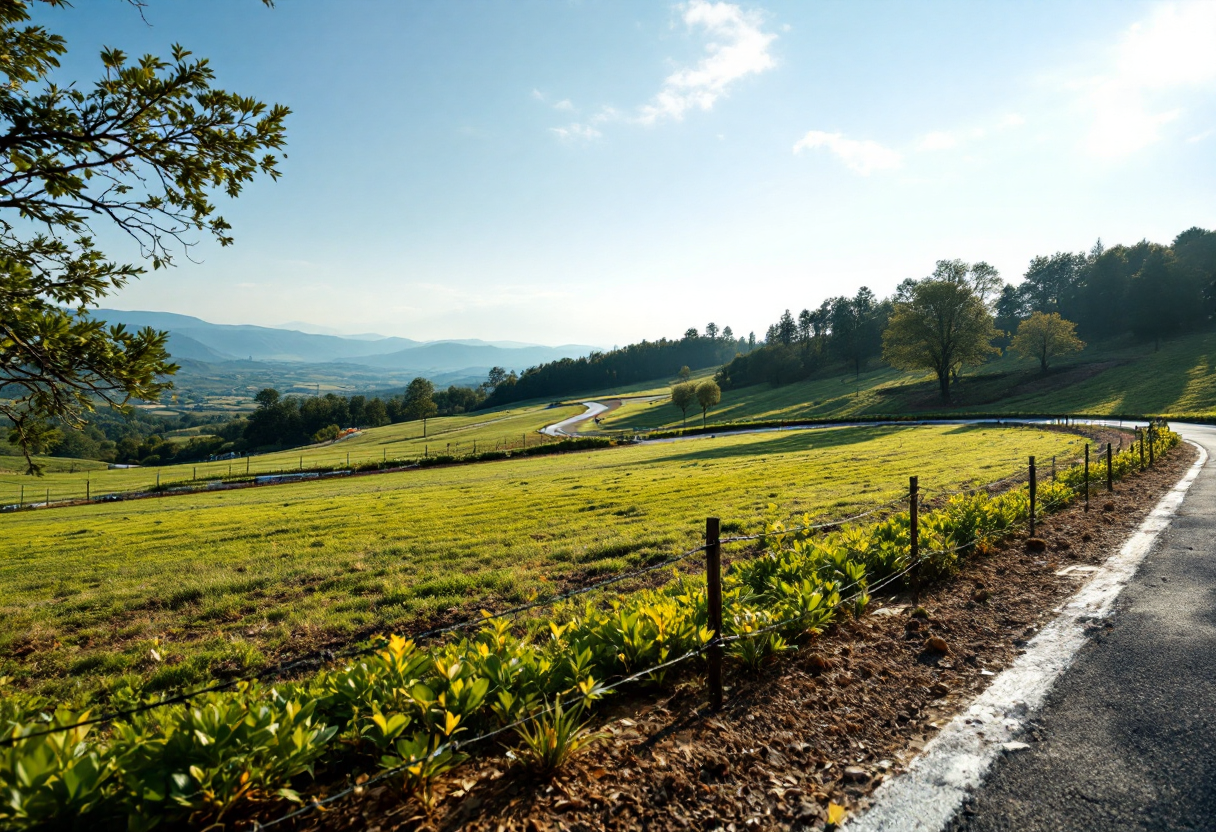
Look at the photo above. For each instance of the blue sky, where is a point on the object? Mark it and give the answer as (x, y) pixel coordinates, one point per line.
(601, 172)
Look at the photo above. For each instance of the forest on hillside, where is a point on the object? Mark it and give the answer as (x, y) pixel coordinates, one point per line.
(1148, 290)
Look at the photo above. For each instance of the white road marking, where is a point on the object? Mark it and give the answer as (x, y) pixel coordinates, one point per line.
(953, 764)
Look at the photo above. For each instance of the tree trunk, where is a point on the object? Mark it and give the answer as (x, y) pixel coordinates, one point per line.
(1043, 363)
(943, 381)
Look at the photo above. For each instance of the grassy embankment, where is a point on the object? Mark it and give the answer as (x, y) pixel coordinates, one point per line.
(227, 580)
(1122, 378)
(445, 435)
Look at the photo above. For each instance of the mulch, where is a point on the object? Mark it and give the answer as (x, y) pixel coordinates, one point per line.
(822, 724)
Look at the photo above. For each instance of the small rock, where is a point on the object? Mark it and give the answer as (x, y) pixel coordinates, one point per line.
(920, 612)
(855, 774)
(981, 596)
(1036, 544)
(912, 626)
(1087, 537)
(818, 662)
(1108, 506)
(939, 690)
(937, 644)
(1014, 746)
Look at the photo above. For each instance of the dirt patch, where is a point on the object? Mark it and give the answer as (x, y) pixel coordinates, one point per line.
(821, 725)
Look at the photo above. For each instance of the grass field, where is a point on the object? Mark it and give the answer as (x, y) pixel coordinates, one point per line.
(445, 435)
(1177, 381)
(222, 581)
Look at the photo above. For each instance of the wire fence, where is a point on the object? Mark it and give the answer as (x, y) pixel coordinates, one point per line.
(102, 485)
(843, 595)
(321, 657)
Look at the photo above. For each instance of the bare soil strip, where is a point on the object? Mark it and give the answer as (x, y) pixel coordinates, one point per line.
(825, 724)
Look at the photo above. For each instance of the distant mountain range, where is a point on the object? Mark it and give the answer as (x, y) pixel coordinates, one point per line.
(193, 339)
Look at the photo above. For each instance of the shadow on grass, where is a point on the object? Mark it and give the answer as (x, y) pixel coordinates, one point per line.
(794, 441)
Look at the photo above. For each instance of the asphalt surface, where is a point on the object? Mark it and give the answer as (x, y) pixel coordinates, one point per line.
(1127, 738)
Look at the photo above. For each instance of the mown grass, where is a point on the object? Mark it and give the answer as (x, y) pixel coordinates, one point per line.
(1112, 378)
(225, 581)
(445, 435)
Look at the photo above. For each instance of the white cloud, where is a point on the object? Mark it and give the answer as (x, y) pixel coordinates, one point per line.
(575, 131)
(1172, 51)
(938, 140)
(739, 48)
(1198, 137)
(860, 155)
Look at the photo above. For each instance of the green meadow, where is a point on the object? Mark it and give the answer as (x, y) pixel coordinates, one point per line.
(176, 590)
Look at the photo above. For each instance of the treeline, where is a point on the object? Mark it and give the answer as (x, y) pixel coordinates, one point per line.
(111, 436)
(633, 363)
(290, 421)
(278, 422)
(841, 330)
(1146, 290)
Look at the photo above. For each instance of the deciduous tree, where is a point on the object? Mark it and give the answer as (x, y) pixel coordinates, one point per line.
(708, 395)
(419, 401)
(1046, 336)
(942, 326)
(682, 396)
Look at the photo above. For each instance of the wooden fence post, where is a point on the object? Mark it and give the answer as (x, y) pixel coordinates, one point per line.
(713, 583)
(1087, 476)
(1053, 469)
(88, 491)
(246, 463)
(1033, 486)
(1150, 444)
(914, 538)
(1140, 436)
(1110, 477)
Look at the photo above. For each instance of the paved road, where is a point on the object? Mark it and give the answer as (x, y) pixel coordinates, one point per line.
(1127, 740)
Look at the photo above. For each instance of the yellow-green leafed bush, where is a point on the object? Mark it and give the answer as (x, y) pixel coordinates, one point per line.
(191, 763)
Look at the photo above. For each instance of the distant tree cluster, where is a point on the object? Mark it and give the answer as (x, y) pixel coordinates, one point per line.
(284, 422)
(965, 313)
(643, 361)
(1150, 290)
(841, 330)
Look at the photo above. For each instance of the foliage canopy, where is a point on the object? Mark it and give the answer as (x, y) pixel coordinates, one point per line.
(144, 149)
(1046, 336)
(942, 325)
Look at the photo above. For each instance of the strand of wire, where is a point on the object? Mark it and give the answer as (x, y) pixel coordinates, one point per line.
(942, 492)
(816, 526)
(784, 623)
(458, 744)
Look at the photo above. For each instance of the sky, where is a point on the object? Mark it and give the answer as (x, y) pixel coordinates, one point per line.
(603, 172)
